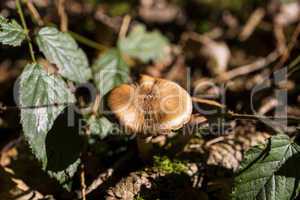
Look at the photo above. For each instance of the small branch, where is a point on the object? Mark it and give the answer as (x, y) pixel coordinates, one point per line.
(246, 69)
(34, 13)
(232, 115)
(82, 181)
(20, 12)
(253, 21)
(96, 105)
(286, 54)
(88, 42)
(106, 20)
(293, 66)
(280, 37)
(63, 16)
(124, 26)
(104, 176)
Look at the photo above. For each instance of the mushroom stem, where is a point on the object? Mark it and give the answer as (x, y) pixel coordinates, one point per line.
(145, 148)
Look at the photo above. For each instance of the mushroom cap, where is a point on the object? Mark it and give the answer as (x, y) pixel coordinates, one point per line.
(153, 106)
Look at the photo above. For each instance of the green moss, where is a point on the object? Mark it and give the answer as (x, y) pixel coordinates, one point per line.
(139, 198)
(166, 165)
(120, 8)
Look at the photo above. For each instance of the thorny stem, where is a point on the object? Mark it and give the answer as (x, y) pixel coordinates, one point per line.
(20, 12)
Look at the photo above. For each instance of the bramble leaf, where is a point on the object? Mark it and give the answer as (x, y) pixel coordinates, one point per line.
(110, 70)
(61, 49)
(144, 45)
(43, 97)
(269, 172)
(11, 33)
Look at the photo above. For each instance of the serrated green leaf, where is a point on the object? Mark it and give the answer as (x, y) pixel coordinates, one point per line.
(99, 126)
(110, 70)
(11, 33)
(144, 45)
(269, 172)
(61, 49)
(43, 98)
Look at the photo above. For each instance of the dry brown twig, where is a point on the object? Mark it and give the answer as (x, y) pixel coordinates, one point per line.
(63, 15)
(252, 67)
(104, 176)
(34, 12)
(124, 26)
(106, 20)
(253, 21)
(82, 182)
(286, 53)
(280, 37)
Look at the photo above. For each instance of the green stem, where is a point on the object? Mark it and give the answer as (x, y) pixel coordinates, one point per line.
(88, 42)
(20, 12)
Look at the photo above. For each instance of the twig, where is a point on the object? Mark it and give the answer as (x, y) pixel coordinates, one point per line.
(20, 12)
(104, 176)
(286, 54)
(252, 23)
(232, 115)
(82, 181)
(292, 69)
(88, 42)
(63, 16)
(214, 141)
(106, 20)
(280, 38)
(96, 105)
(124, 26)
(34, 13)
(196, 37)
(269, 105)
(246, 69)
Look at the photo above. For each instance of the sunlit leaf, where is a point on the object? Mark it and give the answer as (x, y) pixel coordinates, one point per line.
(11, 33)
(144, 45)
(61, 49)
(110, 70)
(269, 172)
(43, 97)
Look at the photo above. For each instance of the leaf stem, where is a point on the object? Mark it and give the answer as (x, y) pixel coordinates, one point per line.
(20, 12)
(88, 42)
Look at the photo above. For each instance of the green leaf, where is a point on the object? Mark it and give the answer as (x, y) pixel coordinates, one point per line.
(11, 33)
(99, 126)
(110, 70)
(61, 49)
(43, 97)
(269, 172)
(144, 45)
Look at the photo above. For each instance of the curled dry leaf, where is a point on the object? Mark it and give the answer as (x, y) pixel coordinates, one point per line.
(154, 106)
(288, 14)
(218, 55)
(228, 150)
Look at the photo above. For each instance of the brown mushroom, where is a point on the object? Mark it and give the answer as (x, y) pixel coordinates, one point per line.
(154, 106)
